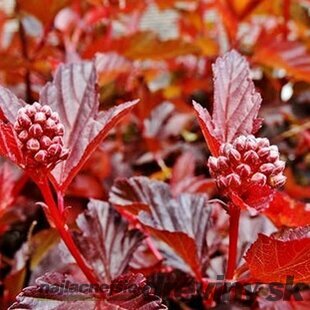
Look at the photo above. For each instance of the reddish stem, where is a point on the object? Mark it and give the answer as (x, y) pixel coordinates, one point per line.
(64, 233)
(234, 213)
(286, 16)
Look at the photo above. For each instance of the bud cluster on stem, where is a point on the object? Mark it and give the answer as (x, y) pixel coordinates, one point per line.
(246, 162)
(41, 135)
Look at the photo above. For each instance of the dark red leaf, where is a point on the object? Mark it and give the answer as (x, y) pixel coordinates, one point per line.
(292, 56)
(73, 95)
(105, 240)
(7, 183)
(57, 291)
(236, 103)
(272, 259)
(9, 144)
(180, 222)
(49, 293)
(130, 291)
(207, 128)
(183, 179)
(9, 105)
(184, 168)
(154, 126)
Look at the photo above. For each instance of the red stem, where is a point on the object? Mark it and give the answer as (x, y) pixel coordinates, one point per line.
(286, 16)
(63, 230)
(233, 240)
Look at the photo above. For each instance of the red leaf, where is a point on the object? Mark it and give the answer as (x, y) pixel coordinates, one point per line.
(255, 199)
(7, 183)
(131, 195)
(73, 95)
(294, 189)
(154, 126)
(236, 103)
(9, 105)
(184, 168)
(183, 179)
(9, 144)
(110, 66)
(207, 128)
(180, 222)
(272, 260)
(285, 211)
(291, 56)
(129, 291)
(105, 240)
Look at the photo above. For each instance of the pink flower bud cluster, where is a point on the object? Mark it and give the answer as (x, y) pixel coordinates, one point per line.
(248, 161)
(41, 134)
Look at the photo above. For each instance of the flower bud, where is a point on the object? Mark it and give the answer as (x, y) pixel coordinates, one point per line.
(212, 163)
(37, 106)
(277, 180)
(243, 170)
(273, 156)
(23, 135)
(58, 140)
(50, 124)
(30, 110)
(54, 150)
(234, 155)
(60, 129)
(267, 169)
(259, 179)
(45, 142)
(33, 144)
(40, 156)
(264, 151)
(262, 142)
(225, 148)
(233, 180)
(39, 117)
(222, 163)
(17, 127)
(251, 157)
(279, 166)
(250, 143)
(24, 120)
(240, 143)
(55, 117)
(46, 110)
(35, 131)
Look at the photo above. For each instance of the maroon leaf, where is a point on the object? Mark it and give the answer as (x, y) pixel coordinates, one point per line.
(9, 143)
(183, 179)
(7, 183)
(236, 103)
(207, 128)
(132, 195)
(50, 293)
(73, 95)
(9, 105)
(154, 126)
(57, 291)
(180, 222)
(130, 291)
(105, 240)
